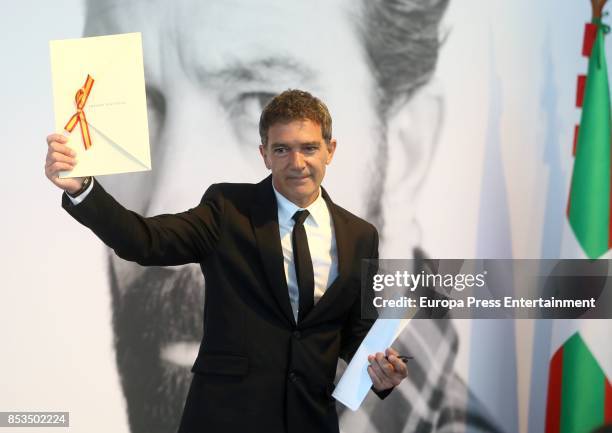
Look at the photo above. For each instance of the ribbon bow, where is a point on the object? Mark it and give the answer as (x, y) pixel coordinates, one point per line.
(79, 117)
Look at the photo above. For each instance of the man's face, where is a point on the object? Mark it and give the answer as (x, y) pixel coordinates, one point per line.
(297, 155)
(210, 67)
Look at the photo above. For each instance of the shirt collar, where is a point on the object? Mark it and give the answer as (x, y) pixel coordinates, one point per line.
(286, 208)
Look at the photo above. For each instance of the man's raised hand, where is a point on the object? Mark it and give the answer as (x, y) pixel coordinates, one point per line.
(61, 158)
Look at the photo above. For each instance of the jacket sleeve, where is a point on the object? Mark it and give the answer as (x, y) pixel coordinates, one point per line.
(357, 326)
(163, 240)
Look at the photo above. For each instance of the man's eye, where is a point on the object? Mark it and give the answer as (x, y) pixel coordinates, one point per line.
(261, 98)
(244, 111)
(248, 105)
(279, 150)
(310, 150)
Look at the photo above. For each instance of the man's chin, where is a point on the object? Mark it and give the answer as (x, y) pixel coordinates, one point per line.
(306, 187)
(307, 180)
(302, 191)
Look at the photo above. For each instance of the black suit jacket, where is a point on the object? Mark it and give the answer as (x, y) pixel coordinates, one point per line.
(257, 370)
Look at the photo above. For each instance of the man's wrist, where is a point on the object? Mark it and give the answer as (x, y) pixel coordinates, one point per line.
(84, 186)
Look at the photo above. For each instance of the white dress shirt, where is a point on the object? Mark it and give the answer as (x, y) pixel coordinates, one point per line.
(321, 243)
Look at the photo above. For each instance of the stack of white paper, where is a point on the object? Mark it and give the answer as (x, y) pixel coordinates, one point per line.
(355, 382)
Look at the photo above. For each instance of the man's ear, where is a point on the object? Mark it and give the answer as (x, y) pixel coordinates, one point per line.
(331, 149)
(412, 135)
(264, 155)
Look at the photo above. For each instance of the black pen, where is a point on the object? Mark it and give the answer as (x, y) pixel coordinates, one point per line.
(403, 358)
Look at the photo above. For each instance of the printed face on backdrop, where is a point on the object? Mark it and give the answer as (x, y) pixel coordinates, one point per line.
(210, 68)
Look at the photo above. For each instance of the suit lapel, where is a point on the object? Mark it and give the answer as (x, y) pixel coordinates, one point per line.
(264, 216)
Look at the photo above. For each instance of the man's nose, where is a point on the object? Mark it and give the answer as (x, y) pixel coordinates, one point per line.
(296, 160)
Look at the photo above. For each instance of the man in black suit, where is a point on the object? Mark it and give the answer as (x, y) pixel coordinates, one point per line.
(282, 264)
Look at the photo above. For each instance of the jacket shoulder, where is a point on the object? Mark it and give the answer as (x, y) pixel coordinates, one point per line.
(233, 192)
(356, 222)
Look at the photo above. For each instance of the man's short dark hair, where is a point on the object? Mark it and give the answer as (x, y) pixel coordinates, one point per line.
(293, 105)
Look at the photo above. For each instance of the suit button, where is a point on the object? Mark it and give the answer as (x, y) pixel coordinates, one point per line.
(297, 335)
(292, 376)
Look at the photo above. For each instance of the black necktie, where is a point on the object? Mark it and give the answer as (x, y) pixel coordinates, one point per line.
(303, 264)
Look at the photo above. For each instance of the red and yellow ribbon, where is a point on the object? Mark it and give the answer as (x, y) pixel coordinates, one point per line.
(79, 117)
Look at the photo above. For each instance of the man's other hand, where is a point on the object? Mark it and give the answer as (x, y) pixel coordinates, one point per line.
(386, 370)
(61, 158)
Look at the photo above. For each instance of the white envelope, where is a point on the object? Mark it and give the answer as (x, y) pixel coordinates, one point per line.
(355, 381)
(116, 108)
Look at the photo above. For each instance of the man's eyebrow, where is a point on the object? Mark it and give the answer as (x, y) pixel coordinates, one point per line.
(260, 70)
(305, 143)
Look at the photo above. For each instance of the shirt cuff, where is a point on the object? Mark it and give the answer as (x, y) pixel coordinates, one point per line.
(81, 197)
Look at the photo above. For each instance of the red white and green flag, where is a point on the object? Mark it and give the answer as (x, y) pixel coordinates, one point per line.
(579, 397)
(589, 203)
(579, 391)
